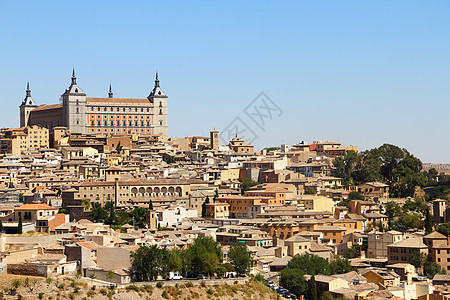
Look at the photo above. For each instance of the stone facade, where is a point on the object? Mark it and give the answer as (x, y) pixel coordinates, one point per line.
(110, 116)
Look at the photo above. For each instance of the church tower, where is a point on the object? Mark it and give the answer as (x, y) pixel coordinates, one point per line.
(159, 101)
(26, 107)
(74, 107)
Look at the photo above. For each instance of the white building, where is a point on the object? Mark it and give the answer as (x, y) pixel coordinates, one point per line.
(174, 215)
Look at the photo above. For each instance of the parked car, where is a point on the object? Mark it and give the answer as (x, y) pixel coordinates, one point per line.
(175, 276)
(201, 277)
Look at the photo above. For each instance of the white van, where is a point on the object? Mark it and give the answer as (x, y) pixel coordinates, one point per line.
(175, 276)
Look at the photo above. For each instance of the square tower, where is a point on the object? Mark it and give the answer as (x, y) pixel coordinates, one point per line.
(74, 107)
(159, 101)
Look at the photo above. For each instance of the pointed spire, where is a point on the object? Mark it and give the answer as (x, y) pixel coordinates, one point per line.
(28, 89)
(156, 80)
(110, 94)
(74, 79)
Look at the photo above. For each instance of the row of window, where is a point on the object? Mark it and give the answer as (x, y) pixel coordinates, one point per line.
(119, 123)
(109, 108)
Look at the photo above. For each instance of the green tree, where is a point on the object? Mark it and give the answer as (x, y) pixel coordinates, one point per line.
(428, 222)
(19, 226)
(98, 213)
(340, 266)
(240, 257)
(310, 264)
(247, 183)
(110, 213)
(139, 217)
(204, 255)
(294, 280)
(355, 196)
(311, 293)
(417, 259)
(444, 229)
(345, 165)
(175, 263)
(432, 268)
(110, 275)
(149, 262)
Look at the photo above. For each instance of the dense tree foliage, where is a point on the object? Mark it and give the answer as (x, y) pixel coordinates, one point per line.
(388, 163)
(294, 280)
(408, 215)
(292, 277)
(117, 217)
(444, 229)
(240, 257)
(204, 256)
(417, 259)
(430, 269)
(311, 292)
(149, 262)
(247, 183)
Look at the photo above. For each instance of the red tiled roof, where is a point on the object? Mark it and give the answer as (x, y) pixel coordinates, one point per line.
(37, 206)
(48, 107)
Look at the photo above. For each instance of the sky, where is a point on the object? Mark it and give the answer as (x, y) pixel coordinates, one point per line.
(361, 73)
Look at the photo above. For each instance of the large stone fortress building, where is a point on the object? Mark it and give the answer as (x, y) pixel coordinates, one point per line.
(99, 115)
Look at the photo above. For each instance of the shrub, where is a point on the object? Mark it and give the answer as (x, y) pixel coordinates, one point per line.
(90, 293)
(148, 288)
(165, 294)
(76, 290)
(132, 288)
(16, 283)
(71, 296)
(259, 278)
(48, 280)
(160, 284)
(235, 282)
(41, 295)
(27, 282)
(210, 291)
(61, 286)
(188, 284)
(104, 292)
(203, 284)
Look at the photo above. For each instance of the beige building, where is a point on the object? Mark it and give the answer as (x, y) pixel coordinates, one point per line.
(377, 242)
(399, 252)
(161, 191)
(33, 212)
(218, 210)
(18, 140)
(107, 115)
(238, 145)
(316, 203)
(297, 245)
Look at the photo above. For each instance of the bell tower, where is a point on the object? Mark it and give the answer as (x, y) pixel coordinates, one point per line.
(159, 101)
(26, 107)
(74, 107)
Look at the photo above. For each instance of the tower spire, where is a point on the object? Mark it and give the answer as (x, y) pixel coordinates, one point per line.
(74, 79)
(110, 94)
(28, 89)
(156, 80)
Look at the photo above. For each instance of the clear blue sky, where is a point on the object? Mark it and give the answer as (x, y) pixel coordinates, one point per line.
(358, 72)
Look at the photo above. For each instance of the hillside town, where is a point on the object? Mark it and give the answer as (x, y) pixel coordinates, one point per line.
(94, 204)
